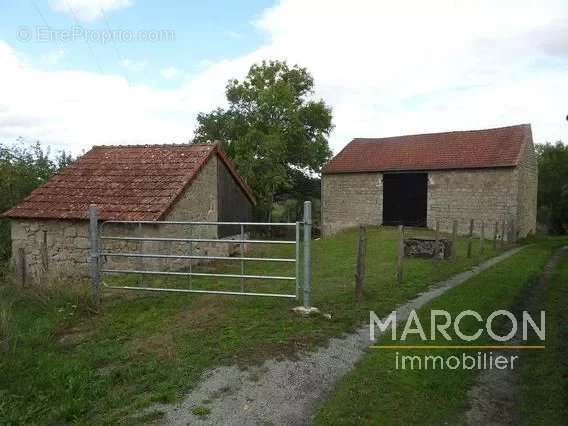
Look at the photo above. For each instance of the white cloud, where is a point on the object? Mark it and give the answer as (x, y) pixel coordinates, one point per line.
(53, 57)
(170, 73)
(133, 65)
(88, 10)
(386, 68)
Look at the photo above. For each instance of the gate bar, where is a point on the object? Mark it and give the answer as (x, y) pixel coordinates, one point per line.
(173, 256)
(198, 240)
(196, 274)
(176, 222)
(182, 290)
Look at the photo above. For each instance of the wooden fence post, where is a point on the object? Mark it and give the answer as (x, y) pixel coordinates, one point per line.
(399, 272)
(503, 230)
(513, 238)
(470, 239)
(361, 264)
(454, 239)
(482, 238)
(437, 237)
(495, 233)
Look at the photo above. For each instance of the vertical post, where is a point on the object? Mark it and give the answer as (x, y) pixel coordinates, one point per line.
(482, 238)
(297, 260)
(190, 254)
(495, 233)
(513, 238)
(503, 230)
(361, 263)
(399, 271)
(94, 261)
(242, 255)
(454, 239)
(141, 250)
(470, 239)
(307, 253)
(437, 240)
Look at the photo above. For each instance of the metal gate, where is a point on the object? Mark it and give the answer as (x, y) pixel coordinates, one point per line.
(99, 253)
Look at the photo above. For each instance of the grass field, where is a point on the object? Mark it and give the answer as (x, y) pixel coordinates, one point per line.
(544, 374)
(377, 391)
(61, 362)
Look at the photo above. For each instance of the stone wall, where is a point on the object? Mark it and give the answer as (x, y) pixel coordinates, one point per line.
(67, 242)
(487, 195)
(490, 195)
(350, 199)
(66, 245)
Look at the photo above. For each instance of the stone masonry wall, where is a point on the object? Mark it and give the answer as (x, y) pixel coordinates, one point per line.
(350, 199)
(487, 195)
(67, 241)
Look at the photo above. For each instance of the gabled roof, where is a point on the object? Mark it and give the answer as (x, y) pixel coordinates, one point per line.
(128, 182)
(501, 147)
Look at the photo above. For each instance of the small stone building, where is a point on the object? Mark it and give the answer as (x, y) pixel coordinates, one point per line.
(417, 180)
(131, 183)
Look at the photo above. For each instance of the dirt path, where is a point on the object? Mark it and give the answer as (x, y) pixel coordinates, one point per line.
(287, 392)
(493, 398)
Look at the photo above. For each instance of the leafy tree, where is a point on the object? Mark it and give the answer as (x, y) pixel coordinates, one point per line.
(22, 169)
(553, 186)
(272, 129)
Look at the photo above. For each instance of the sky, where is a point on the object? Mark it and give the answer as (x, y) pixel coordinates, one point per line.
(77, 73)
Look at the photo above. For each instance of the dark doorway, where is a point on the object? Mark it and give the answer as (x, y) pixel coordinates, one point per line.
(405, 199)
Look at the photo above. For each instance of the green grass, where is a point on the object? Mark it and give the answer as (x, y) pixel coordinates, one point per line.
(544, 374)
(377, 391)
(61, 363)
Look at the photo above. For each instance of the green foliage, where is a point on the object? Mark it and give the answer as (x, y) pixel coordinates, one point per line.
(272, 129)
(553, 186)
(22, 169)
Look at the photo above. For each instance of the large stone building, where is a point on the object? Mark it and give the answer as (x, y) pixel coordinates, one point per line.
(485, 175)
(128, 183)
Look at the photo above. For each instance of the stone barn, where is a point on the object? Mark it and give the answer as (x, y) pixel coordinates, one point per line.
(486, 175)
(137, 183)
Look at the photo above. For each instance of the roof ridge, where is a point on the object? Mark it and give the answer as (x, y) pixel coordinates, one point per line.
(157, 145)
(440, 133)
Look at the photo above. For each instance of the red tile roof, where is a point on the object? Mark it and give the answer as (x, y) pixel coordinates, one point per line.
(470, 149)
(134, 182)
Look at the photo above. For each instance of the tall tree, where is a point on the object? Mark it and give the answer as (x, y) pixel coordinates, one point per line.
(553, 186)
(273, 127)
(22, 169)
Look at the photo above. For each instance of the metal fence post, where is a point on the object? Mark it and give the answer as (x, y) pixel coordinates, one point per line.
(297, 248)
(94, 251)
(307, 253)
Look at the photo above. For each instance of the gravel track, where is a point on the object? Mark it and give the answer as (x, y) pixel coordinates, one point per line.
(286, 392)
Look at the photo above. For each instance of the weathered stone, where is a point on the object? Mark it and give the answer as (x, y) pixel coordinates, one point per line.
(70, 232)
(428, 248)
